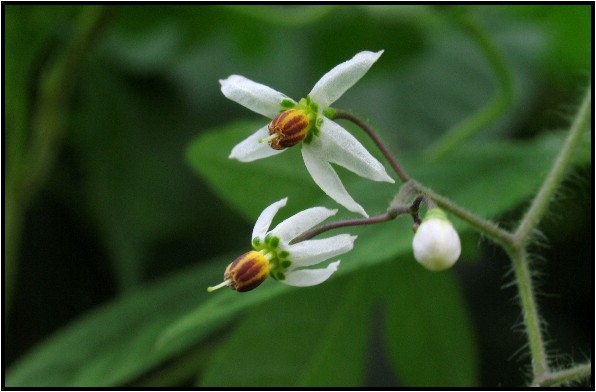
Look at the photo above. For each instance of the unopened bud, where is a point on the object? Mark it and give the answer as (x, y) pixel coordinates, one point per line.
(436, 243)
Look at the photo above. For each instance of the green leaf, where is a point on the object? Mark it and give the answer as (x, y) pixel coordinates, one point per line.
(137, 186)
(320, 336)
(428, 329)
(117, 342)
(297, 340)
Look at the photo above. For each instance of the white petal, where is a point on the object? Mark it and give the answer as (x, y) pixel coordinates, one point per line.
(311, 252)
(301, 222)
(339, 146)
(252, 95)
(264, 220)
(310, 277)
(335, 82)
(326, 178)
(250, 149)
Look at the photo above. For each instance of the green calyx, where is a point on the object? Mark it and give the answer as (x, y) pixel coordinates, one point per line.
(435, 213)
(278, 258)
(311, 109)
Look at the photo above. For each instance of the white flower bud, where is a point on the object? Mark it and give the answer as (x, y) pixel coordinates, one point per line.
(436, 243)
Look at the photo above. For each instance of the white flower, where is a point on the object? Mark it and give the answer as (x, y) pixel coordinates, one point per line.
(323, 141)
(274, 255)
(436, 243)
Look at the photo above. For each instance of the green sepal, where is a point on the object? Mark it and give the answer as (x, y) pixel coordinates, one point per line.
(274, 242)
(287, 104)
(435, 213)
(329, 112)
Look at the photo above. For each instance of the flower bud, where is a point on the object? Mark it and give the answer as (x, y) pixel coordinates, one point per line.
(288, 129)
(246, 272)
(436, 243)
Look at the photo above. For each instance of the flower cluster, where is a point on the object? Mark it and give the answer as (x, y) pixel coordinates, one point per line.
(274, 254)
(283, 253)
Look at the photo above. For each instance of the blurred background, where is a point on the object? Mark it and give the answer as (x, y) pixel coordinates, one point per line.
(121, 206)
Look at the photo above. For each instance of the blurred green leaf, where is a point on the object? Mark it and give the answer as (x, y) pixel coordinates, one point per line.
(137, 185)
(428, 330)
(115, 343)
(568, 29)
(296, 340)
(42, 26)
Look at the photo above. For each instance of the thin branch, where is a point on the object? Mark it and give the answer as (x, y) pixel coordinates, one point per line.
(557, 172)
(401, 173)
(387, 216)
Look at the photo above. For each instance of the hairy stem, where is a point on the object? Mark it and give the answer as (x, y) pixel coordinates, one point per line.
(556, 174)
(517, 250)
(515, 244)
(565, 376)
(531, 315)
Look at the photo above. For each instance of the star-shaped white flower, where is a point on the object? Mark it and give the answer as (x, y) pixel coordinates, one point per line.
(274, 255)
(323, 140)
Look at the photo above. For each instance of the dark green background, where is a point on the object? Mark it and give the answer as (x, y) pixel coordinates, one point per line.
(140, 210)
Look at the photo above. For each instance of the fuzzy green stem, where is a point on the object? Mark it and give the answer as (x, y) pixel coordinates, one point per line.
(494, 108)
(401, 173)
(557, 172)
(523, 280)
(565, 376)
(514, 244)
(517, 250)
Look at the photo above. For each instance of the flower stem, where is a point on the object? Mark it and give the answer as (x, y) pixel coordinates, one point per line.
(391, 214)
(486, 227)
(401, 173)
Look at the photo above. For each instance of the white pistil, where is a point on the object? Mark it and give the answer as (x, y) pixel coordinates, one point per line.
(219, 286)
(269, 138)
